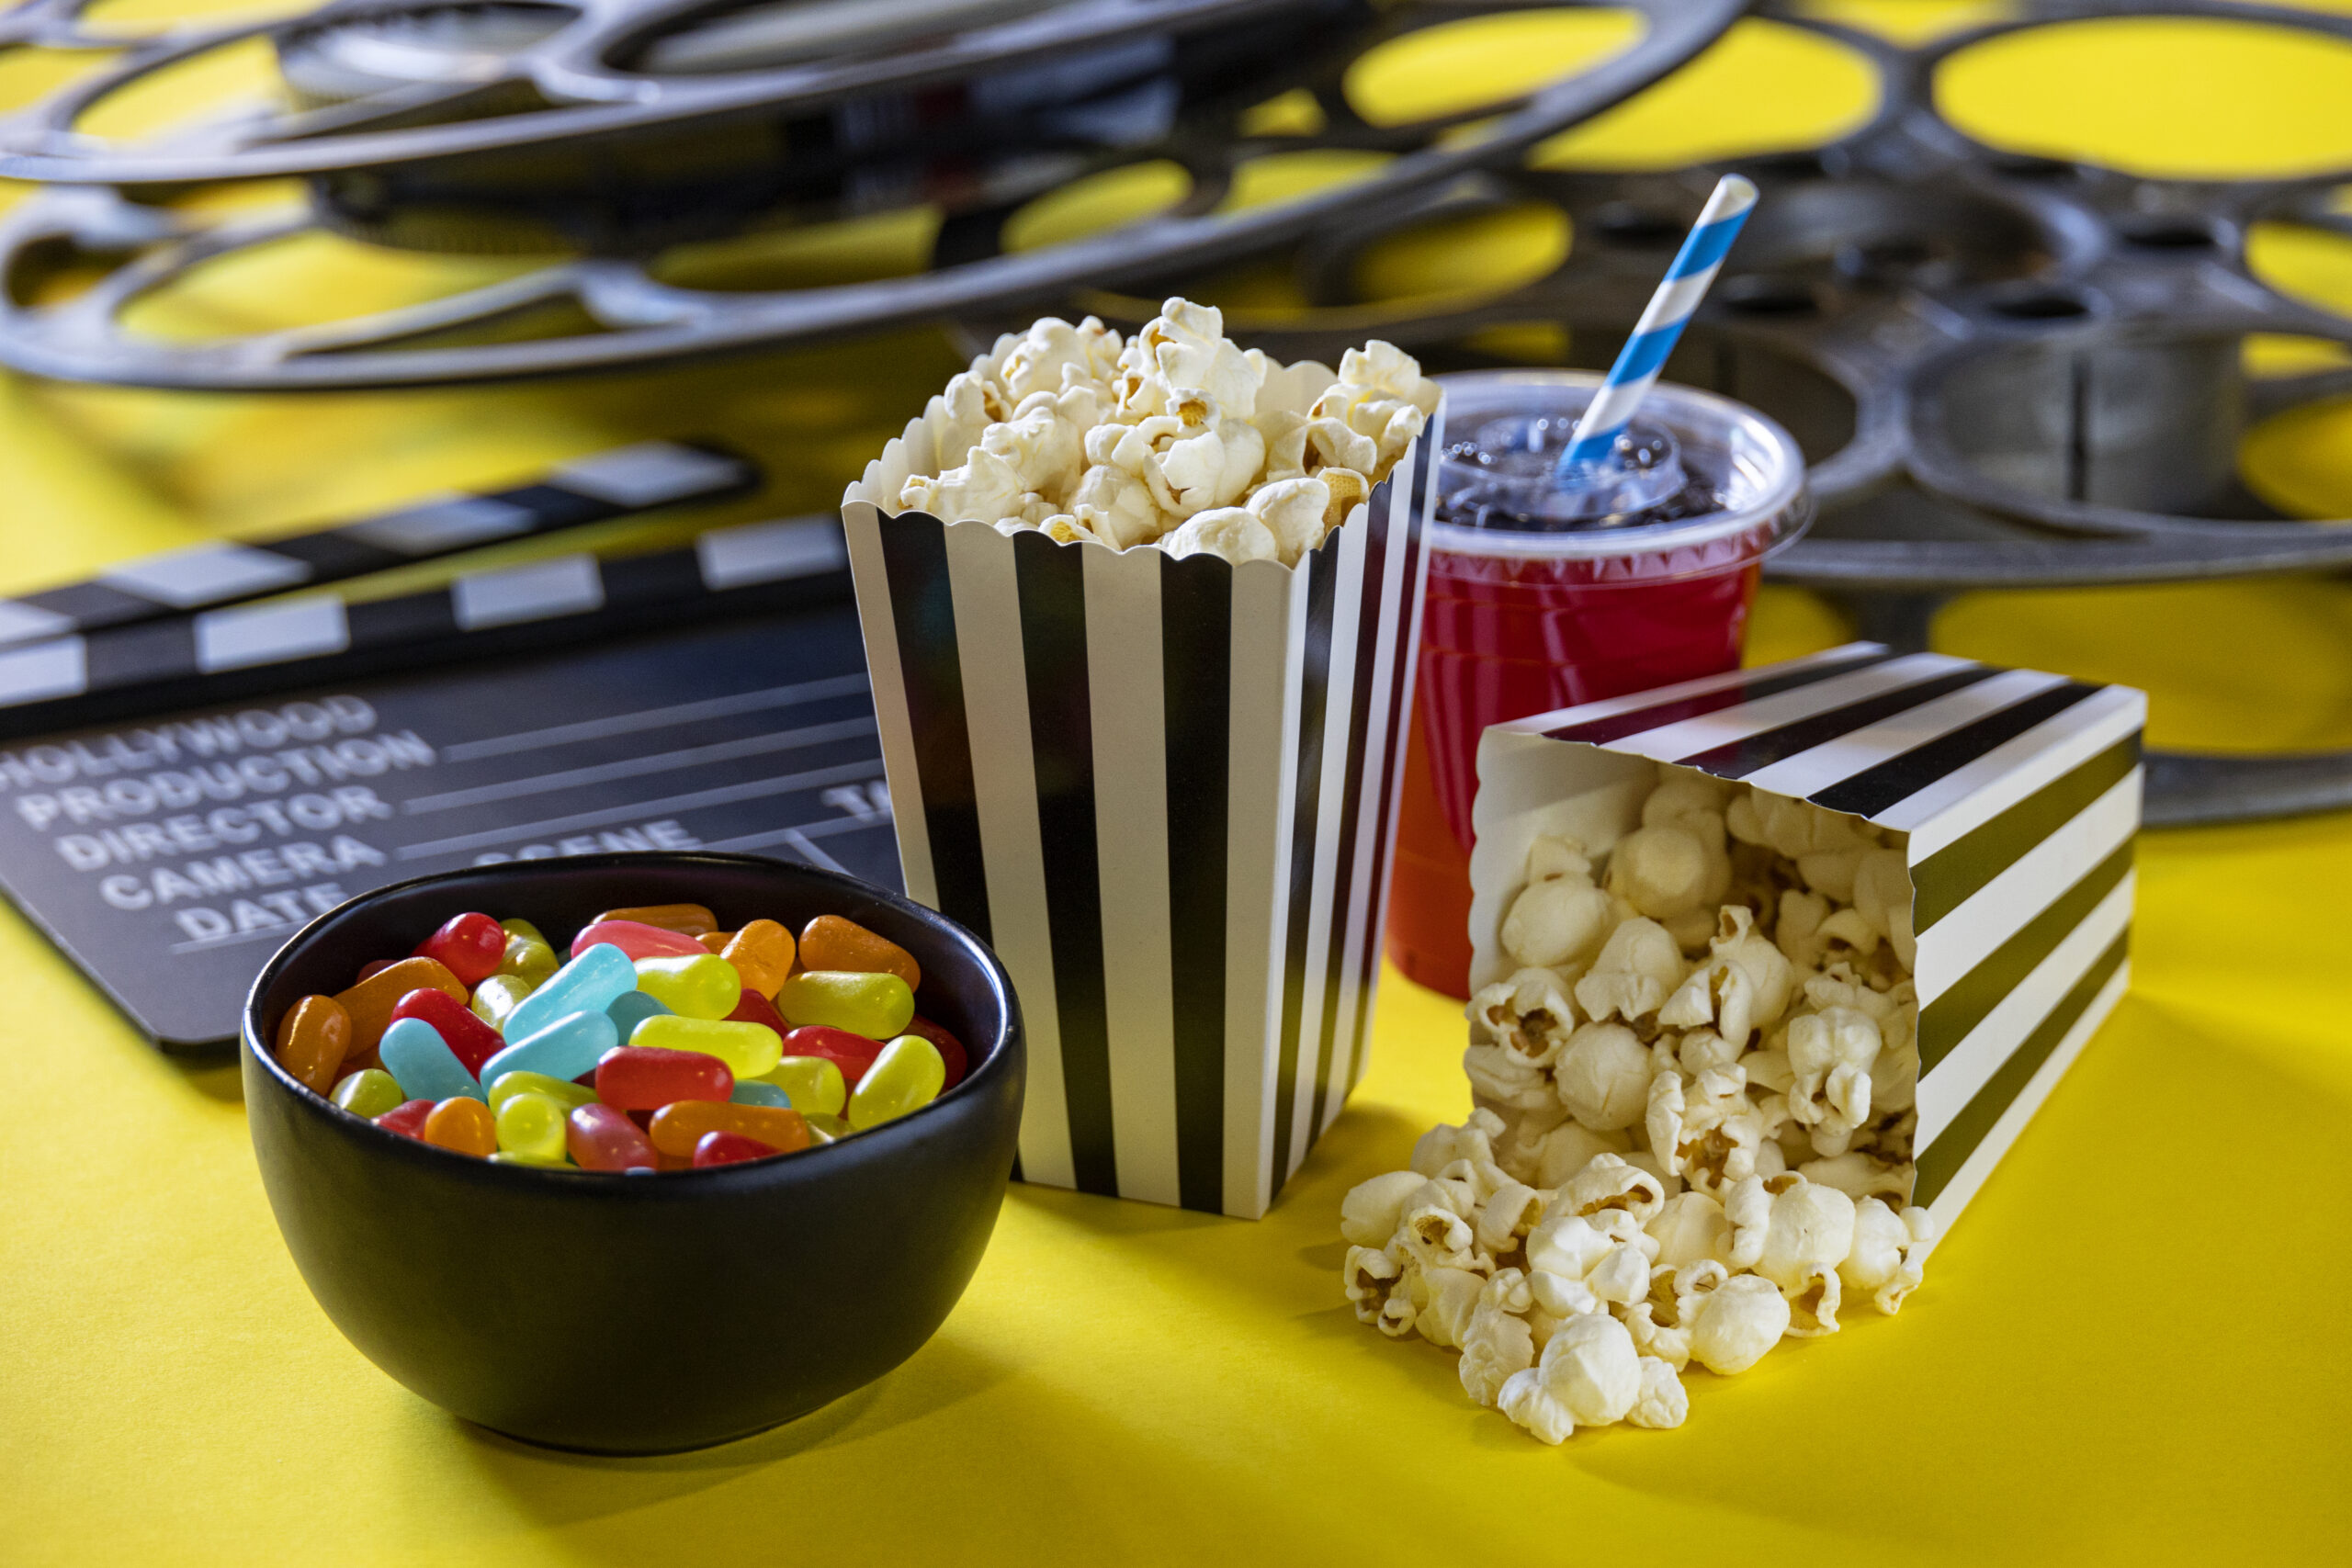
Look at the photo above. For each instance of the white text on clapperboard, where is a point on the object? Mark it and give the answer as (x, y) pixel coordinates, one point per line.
(235, 823)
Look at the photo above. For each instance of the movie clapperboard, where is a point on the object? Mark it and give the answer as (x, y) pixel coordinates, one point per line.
(561, 709)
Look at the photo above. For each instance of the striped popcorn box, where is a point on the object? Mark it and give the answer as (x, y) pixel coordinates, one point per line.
(2019, 795)
(1164, 791)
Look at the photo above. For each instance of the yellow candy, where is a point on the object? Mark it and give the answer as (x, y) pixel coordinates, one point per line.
(529, 957)
(747, 1049)
(704, 985)
(522, 928)
(823, 1129)
(497, 997)
(532, 1125)
(907, 1075)
(561, 1090)
(813, 1084)
(874, 1005)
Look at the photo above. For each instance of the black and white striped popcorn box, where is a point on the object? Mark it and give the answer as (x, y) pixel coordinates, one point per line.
(1164, 792)
(2019, 794)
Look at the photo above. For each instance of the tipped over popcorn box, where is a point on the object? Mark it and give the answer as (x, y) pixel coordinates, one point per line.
(1939, 825)
(1140, 620)
(1770, 970)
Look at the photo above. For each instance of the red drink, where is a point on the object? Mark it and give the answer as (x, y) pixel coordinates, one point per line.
(1521, 621)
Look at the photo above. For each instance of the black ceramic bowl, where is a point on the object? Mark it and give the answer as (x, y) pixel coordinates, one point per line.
(638, 1313)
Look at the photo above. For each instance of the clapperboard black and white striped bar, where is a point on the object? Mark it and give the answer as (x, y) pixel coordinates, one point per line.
(1163, 792)
(595, 489)
(85, 678)
(2019, 793)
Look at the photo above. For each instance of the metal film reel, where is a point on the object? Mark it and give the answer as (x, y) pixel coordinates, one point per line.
(1192, 114)
(2006, 372)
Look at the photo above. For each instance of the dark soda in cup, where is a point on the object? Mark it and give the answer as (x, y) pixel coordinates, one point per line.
(1542, 596)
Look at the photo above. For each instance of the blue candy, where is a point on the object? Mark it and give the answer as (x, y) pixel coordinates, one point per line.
(422, 1065)
(747, 1092)
(632, 1009)
(566, 1048)
(590, 983)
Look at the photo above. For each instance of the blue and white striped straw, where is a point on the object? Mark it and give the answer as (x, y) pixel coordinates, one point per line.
(1660, 328)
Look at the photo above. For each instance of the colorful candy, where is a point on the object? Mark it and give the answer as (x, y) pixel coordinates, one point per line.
(533, 1124)
(852, 1053)
(877, 1006)
(747, 1049)
(564, 1092)
(763, 954)
(677, 1128)
(370, 1002)
(311, 1041)
(631, 1009)
(407, 1118)
(655, 1048)
(472, 1040)
(590, 983)
(635, 1078)
(637, 940)
(811, 1084)
(687, 919)
(369, 1092)
(600, 1138)
(568, 1047)
(729, 1148)
(829, 941)
(496, 998)
(422, 1063)
(465, 1125)
(469, 946)
(704, 985)
(906, 1075)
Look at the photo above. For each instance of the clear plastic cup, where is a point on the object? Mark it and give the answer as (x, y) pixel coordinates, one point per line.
(1524, 616)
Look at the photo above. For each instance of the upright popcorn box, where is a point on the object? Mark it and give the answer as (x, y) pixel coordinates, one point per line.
(2019, 797)
(1164, 791)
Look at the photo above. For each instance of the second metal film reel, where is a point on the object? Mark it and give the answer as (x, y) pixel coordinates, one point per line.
(2006, 371)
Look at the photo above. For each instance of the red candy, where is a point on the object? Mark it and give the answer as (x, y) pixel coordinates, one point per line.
(753, 1008)
(637, 1077)
(722, 1147)
(470, 1039)
(951, 1049)
(637, 940)
(852, 1053)
(469, 947)
(600, 1138)
(407, 1120)
(374, 968)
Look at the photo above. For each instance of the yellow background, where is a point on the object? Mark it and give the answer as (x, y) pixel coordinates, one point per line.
(2133, 1348)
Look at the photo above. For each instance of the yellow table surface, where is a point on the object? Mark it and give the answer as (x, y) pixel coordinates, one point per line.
(2136, 1347)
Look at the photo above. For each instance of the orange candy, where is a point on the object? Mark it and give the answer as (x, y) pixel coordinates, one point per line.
(677, 1128)
(371, 1001)
(762, 954)
(714, 941)
(687, 919)
(311, 1040)
(465, 1125)
(829, 941)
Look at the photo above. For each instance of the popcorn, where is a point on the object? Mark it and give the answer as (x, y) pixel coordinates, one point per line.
(1640, 966)
(1737, 1322)
(1093, 440)
(1371, 1212)
(1674, 1161)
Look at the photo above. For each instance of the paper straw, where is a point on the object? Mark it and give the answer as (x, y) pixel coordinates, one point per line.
(1660, 328)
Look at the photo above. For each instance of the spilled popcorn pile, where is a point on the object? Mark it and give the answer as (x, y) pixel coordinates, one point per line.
(1178, 438)
(1691, 1139)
